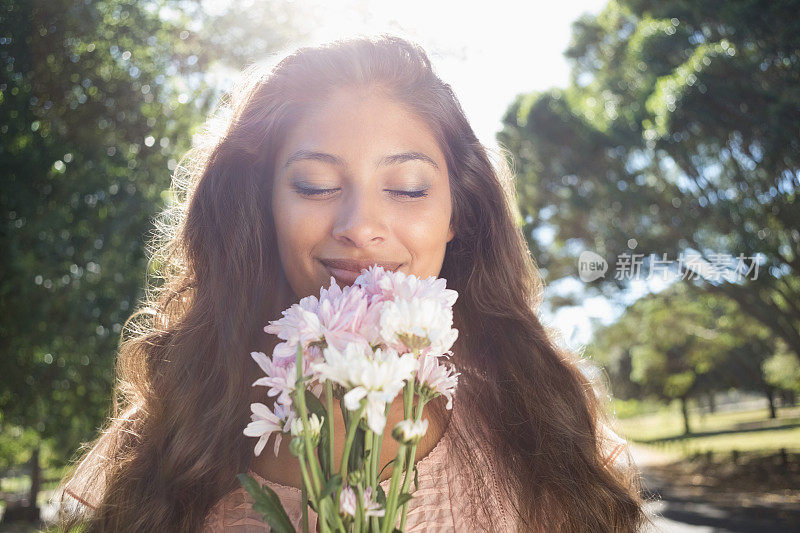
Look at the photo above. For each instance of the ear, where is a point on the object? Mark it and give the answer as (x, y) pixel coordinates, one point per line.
(450, 234)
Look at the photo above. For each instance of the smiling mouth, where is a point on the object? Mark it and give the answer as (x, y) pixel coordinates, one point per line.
(346, 271)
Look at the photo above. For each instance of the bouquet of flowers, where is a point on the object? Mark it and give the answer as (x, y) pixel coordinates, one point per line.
(361, 344)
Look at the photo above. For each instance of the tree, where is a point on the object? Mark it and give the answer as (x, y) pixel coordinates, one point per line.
(677, 135)
(98, 101)
(676, 345)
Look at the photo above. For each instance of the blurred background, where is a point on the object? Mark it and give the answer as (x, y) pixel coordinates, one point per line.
(657, 152)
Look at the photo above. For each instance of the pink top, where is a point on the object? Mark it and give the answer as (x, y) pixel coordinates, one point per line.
(438, 505)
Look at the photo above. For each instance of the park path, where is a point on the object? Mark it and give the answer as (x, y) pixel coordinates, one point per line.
(675, 509)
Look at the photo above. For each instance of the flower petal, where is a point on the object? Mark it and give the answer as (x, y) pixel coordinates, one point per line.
(352, 400)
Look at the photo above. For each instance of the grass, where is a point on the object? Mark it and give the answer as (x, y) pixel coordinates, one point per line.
(750, 430)
(21, 483)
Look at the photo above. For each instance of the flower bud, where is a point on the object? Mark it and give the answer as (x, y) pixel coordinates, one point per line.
(355, 477)
(297, 446)
(409, 432)
(314, 426)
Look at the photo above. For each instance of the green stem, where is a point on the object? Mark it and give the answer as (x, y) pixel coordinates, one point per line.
(375, 458)
(307, 483)
(408, 399)
(359, 518)
(378, 445)
(304, 493)
(411, 461)
(369, 451)
(375, 478)
(321, 505)
(351, 434)
(329, 405)
(391, 504)
(337, 520)
(300, 398)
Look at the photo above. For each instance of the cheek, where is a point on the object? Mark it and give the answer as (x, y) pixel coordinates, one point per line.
(297, 230)
(424, 232)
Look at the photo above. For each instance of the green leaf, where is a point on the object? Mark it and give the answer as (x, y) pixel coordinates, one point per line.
(404, 497)
(267, 504)
(380, 496)
(356, 459)
(416, 481)
(331, 485)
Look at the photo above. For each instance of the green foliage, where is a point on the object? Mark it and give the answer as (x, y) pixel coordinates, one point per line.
(678, 131)
(16, 444)
(380, 495)
(332, 485)
(91, 128)
(782, 370)
(676, 344)
(98, 102)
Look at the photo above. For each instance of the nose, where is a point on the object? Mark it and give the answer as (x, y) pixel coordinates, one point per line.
(360, 222)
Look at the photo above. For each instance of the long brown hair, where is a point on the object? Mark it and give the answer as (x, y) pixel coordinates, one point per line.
(175, 444)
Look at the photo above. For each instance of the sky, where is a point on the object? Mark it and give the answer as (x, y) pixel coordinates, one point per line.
(489, 52)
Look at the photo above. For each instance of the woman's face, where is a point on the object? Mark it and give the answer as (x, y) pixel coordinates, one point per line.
(358, 181)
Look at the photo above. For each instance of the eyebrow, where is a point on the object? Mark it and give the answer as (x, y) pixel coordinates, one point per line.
(393, 159)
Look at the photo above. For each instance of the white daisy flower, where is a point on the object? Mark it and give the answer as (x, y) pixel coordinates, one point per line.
(263, 424)
(408, 325)
(378, 377)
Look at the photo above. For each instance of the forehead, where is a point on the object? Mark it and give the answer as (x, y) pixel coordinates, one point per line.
(356, 125)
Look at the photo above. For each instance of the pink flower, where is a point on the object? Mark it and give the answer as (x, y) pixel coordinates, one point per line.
(343, 316)
(371, 508)
(370, 280)
(348, 501)
(365, 338)
(281, 379)
(399, 285)
(436, 377)
(299, 323)
(285, 353)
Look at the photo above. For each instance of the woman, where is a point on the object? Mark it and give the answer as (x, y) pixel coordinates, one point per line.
(341, 156)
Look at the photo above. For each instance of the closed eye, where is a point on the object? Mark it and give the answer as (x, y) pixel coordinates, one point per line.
(312, 192)
(411, 194)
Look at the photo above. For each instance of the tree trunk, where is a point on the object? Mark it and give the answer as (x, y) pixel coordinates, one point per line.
(712, 403)
(685, 412)
(771, 399)
(36, 480)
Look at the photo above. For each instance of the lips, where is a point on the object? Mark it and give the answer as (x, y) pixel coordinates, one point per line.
(347, 270)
